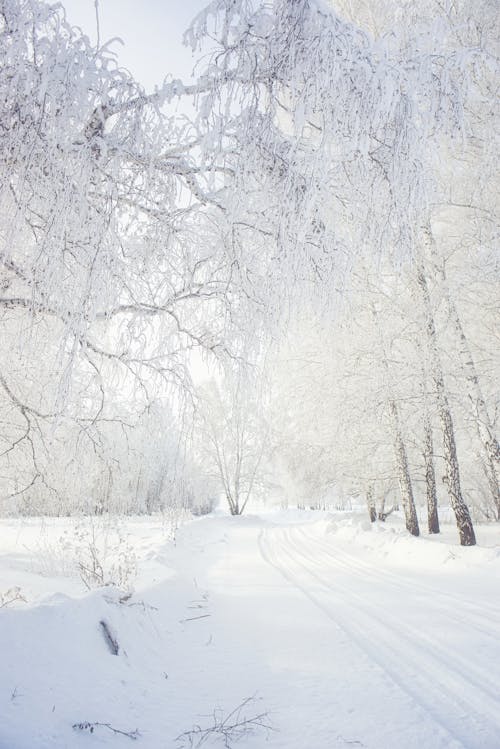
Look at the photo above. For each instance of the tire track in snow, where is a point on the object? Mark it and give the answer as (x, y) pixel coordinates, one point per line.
(387, 666)
(449, 659)
(487, 624)
(419, 676)
(493, 611)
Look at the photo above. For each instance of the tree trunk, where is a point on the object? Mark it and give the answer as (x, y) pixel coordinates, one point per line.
(490, 449)
(232, 503)
(381, 513)
(370, 501)
(452, 478)
(404, 474)
(430, 478)
(401, 456)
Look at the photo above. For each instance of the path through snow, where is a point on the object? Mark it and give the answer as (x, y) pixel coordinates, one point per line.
(347, 636)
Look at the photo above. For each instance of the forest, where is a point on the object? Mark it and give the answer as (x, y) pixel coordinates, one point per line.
(271, 288)
(316, 238)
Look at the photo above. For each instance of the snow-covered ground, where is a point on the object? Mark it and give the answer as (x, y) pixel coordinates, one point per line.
(339, 635)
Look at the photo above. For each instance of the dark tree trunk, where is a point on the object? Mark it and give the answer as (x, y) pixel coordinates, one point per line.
(370, 501)
(400, 454)
(452, 478)
(430, 479)
(404, 475)
(490, 449)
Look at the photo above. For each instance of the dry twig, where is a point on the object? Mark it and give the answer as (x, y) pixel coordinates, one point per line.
(231, 728)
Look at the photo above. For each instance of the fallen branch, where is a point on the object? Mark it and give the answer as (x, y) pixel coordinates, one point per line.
(192, 618)
(235, 726)
(109, 638)
(90, 727)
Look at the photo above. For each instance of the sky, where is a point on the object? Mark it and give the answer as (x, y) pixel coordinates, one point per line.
(151, 31)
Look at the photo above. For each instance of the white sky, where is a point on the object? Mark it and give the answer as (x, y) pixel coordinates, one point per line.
(150, 29)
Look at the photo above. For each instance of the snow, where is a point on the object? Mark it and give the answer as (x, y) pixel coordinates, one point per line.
(343, 634)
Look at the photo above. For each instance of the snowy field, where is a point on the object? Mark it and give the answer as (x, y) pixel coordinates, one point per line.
(291, 630)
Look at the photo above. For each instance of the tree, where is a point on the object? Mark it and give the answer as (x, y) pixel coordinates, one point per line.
(233, 437)
(110, 268)
(343, 135)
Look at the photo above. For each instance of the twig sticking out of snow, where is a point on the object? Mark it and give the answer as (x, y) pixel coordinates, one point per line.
(109, 638)
(86, 726)
(235, 726)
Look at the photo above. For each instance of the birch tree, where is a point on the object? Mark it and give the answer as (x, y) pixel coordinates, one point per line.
(110, 268)
(233, 438)
(343, 133)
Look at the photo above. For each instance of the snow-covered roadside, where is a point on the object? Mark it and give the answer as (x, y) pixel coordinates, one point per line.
(344, 634)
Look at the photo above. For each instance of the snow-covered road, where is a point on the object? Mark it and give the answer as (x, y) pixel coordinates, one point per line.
(428, 645)
(344, 635)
